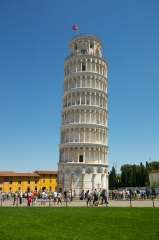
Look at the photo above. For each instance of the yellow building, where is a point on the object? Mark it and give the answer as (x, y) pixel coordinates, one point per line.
(38, 180)
(47, 180)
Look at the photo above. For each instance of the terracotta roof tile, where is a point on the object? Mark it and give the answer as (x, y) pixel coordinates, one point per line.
(18, 174)
(45, 172)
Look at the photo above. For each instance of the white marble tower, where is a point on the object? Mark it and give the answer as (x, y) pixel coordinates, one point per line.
(83, 153)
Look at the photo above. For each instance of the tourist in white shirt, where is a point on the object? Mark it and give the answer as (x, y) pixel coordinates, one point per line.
(55, 197)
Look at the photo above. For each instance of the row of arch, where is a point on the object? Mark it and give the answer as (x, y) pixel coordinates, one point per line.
(82, 169)
(87, 116)
(83, 155)
(85, 98)
(83, 64)
(85, 81)
(83, 135)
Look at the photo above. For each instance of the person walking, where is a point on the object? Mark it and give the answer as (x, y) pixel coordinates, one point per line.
(35, 196)
(20, 197)
(74, 195)
(55, 197)
(28, 198)
(59, 198)
(15, 198)
(96, 197)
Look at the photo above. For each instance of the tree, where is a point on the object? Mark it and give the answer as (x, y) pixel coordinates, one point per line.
(130, 177)
(112, 178)
(134, 175)
(147, 164)
(153, 166)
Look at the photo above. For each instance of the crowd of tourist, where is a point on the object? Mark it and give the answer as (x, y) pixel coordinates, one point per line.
(137, 194)
(95, 196)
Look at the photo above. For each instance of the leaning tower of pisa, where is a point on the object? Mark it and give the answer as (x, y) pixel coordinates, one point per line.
(83, 149)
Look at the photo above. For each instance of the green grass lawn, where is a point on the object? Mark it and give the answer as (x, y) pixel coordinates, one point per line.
(79, 223)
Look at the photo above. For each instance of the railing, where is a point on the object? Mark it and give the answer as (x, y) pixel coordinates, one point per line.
(85, 34)
(84, 53)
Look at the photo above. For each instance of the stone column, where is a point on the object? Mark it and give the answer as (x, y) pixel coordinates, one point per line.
(90, 102)
(89, 157)
(95, 116)
(107, 182)
(86, 81)
(64, 155)
(74, 116)
(80, 99)
(79, 116)
(79, 135)
(84, 135)
(84, 154)
(91, 65)
(69, 135)
(102, 176)
(94, 155)
(86, 65)
(99, 136)
(99, 100)
(70, 116)
(95, 67)
(95, 135)
(85, 115)
(76, 65)
(99, 117)
(106, 157)
(72, 174)
(95, 98)
(80, 81)
(98, 155)
(63, 183)
(90, 82)
(74, 130)
(90, 116)
(83, 177)
(94, 181)
(85, 98)
(89, 134)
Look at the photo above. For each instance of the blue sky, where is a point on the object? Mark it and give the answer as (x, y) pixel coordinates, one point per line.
(34, 38)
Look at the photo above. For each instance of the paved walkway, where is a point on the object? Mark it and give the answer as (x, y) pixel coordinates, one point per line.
(79, 203)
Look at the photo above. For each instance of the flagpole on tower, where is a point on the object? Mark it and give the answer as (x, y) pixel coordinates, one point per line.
(77, 28)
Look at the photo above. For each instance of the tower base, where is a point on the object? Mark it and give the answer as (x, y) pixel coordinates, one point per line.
(82, 176)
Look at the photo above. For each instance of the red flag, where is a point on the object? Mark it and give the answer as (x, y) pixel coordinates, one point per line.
(74, 27)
